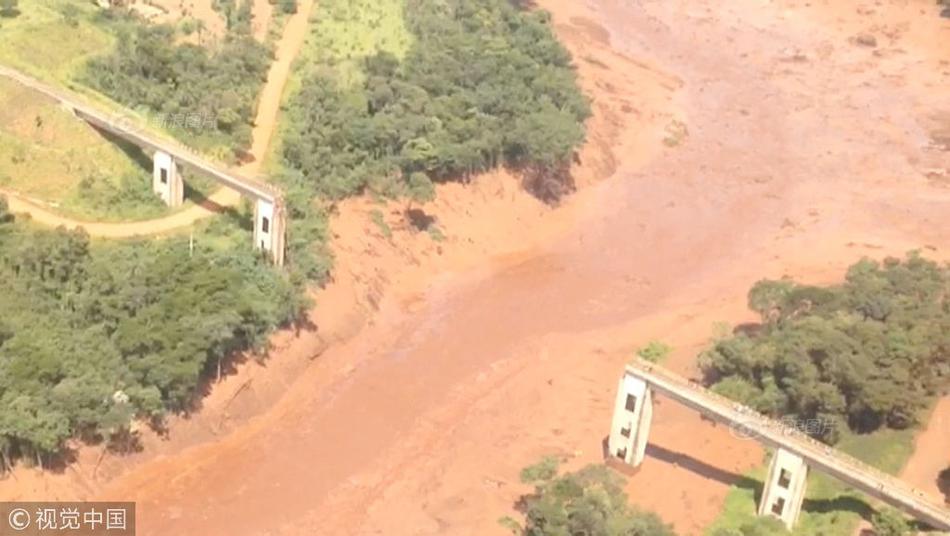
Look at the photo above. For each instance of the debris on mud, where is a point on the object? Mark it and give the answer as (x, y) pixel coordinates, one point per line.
(865, 40)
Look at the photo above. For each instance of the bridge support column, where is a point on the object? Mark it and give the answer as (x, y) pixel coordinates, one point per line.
(633, 414)
(166, 180)
(270, 229)
(784, 489)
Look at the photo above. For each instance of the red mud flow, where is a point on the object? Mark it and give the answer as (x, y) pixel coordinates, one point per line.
(804, 152)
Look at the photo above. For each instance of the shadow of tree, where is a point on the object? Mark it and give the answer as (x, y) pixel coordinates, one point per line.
(841, 503)
(943, 481)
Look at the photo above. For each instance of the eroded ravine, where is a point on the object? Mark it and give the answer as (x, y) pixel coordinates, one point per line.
(420, 424)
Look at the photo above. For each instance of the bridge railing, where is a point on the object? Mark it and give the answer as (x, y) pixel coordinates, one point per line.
(139, 136)
(872, 480)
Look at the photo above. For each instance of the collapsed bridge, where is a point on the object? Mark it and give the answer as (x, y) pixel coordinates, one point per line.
(796, 452)
(168, 159)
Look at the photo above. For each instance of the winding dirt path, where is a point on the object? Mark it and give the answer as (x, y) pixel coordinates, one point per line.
(265, 123)
(805, 151)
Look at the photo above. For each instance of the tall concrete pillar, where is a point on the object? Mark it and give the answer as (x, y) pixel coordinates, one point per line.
(784, 489)
(166, 180)
(633, 414)
(269, 229)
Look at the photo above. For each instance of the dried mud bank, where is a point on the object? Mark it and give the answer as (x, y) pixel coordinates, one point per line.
(380, 274)
(777, 149)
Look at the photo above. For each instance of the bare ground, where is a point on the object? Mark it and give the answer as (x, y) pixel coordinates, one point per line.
(435, 374)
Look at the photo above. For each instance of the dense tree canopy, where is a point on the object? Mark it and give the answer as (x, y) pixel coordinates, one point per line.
(483, 84)
(92, 335)
(590, 502)
(206, 94)
(870, 352)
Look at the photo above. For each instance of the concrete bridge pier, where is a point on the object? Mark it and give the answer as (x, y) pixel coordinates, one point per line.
(784, 489)
(633, 414)
(270, 226)
(166, 180)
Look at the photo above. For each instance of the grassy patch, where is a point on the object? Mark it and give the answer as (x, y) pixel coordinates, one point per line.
(346, 31)
(676, 131)
(49, 155)
(830, 508)
(655, 351)
(52, 39)
(380, 222)
(342, 33)
(435, 233)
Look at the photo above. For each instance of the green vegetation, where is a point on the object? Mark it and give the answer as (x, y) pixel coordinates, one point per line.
(865, 357)
(287, 6)
(377, 216)
(866, 354)
(46, 153)
(207, 96)
(442, 91)
(943, 484)
(9, 8)
(590, 501)
(26, 43)
(890, 522)
(92, 335)
(345, 32)
(655, 351)
(756, 526)
(830, 508)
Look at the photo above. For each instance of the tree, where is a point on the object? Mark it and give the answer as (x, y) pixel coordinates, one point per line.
(767, 298)
(590, 501)
(5, 215)
(760, 526)
(421, 190)
(865, 354)
(9, 8)
(492, 88)
(890, 522)
(205, 95)
(943, 483)
(91, 337)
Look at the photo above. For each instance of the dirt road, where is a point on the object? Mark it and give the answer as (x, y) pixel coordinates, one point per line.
(804, 152)
(295, 33)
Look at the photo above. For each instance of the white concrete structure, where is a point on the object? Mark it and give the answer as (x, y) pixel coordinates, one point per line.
(633, 413)
(796, 453)
(269, 229)
(784, 489)
(166, 180)
(170, 158)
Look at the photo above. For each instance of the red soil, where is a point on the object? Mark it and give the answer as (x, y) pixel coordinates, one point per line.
(438, 370)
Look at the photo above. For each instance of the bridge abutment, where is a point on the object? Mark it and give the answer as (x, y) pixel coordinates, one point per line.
(166, 179)
(633, 415)
(270, 229)
(784, 489)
